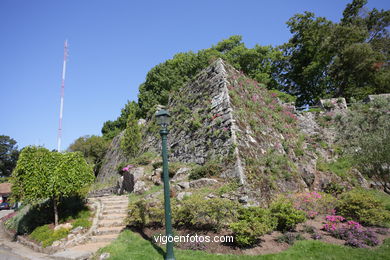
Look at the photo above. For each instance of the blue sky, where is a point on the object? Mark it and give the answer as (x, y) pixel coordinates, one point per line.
(112, 45)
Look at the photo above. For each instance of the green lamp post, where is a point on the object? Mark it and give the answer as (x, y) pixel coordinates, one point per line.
(163, 119)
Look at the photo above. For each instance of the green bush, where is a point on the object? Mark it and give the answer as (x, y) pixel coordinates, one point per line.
(288, 217)
(144, 159)
(209, 169)
(144, 213)
(252, 223)
(46, 236)
(198, 212)
(363, 206)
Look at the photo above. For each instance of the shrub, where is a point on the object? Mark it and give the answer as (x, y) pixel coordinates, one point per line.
(352, 232)
(144, 159)
(362, 206)
(314, 203)
(289, 238)
(211, 168)
(46, 236)
(143, 213)
(197, 212)
(334, 188)
(287, 216)
(252, 223)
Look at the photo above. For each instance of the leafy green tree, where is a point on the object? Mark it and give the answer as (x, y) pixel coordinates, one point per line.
(131, 140)
(41, 174)
(93, 149)
(113, 128)
(325, 59)
(364, 132)
(8, 155)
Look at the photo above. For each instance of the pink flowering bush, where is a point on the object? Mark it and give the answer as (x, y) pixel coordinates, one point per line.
(314, 203)
(352, 232)
(127, 168)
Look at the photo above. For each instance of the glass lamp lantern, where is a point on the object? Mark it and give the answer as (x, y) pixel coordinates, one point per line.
(163, 118)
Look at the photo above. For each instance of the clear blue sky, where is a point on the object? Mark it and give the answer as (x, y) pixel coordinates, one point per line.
(113, 44)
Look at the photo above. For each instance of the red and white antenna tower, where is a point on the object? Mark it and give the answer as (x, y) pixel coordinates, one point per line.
(62, 96)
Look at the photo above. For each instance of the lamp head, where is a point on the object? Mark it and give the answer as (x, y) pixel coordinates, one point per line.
(163, 118)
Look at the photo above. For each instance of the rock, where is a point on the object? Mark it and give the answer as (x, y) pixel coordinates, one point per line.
(181, 195)
(361, 180)
(140, 187)
(243, 199)
(104, 256)
(308, 173)
(181, 174)
(184, 185)
(56, 243)
(71, 236)
(156, 176)
(66, 226)
(203, 182)
(128, 182)
(76, 230)
(211, 196)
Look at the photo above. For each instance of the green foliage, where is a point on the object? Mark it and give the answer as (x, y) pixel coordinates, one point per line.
(46, 236)
(288, 217)
(340, 167)
(350, 60)
(93, 149)
(41, 174)
(113, 128)
(144, 159)
(252, 223)
(8, 155)
(289, 238)
(364, 135)
(131, 140)
(284, 97)
(197, 212)
(209, 169)
(29, 217)
(364, 207)
(142, 213)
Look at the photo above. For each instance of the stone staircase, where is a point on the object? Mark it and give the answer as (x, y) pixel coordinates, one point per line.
(108, 223)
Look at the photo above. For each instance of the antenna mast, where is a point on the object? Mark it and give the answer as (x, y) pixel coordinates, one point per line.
(62, 96)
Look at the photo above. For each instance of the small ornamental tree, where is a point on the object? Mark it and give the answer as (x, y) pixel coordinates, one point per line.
(131, 140)
(41, 174)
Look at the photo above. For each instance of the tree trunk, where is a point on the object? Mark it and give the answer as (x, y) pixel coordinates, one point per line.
(55, 211)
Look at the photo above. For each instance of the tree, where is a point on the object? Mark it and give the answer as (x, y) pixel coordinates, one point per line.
(325, 59)
(8, 155)
(93, 149)
(364, 133)
(131, 140)
(41, 174)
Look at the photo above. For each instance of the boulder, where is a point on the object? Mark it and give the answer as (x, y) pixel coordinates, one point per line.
(203, 182)
(140, 187)
(181, 174)
(181, 195)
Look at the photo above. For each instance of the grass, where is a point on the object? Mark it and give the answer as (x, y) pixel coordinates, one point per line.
(130, 246)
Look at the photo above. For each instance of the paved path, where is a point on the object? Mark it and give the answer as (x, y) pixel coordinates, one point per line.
(111, 221)
(5, 212)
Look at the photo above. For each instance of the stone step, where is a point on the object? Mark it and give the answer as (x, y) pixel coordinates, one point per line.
(116, 212)
(108, 230)
(113, 216)
(103, 238)
(115, 207)
(90, 247)
(115, 204)
(111, 223)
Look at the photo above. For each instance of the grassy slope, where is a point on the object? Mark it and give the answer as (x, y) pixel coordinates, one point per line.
(130, 246)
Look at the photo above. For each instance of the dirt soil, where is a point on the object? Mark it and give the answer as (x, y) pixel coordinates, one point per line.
(268, 243)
